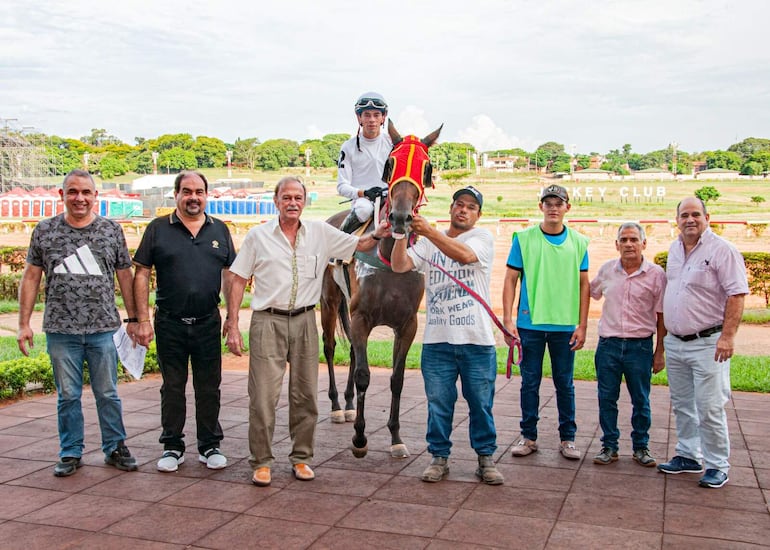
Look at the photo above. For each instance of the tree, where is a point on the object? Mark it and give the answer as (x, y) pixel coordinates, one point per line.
(209, 152)
(169, 141)
(749, 146)
(111, 165)
(752, 168)
(707, 193)
(245, 151)
(333, 143)
(140, 161)
(63, 160)
(583, 161)
(99, 138)
(452, 156)
(275, 154)
(319, 153)
(724, 159)
(546, 154)
(756, 199)
(763, 158)
(177, 159)
(561, 163)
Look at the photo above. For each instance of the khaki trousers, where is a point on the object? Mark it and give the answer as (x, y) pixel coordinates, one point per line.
(275, 340)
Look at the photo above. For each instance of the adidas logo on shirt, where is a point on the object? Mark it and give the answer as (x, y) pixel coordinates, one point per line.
(82, 262)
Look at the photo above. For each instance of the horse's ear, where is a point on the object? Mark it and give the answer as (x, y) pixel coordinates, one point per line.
(431, 138)
(395, 137)
(427, 175)
(387, 171)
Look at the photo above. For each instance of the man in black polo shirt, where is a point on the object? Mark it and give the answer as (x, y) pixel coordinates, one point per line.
(191, 253)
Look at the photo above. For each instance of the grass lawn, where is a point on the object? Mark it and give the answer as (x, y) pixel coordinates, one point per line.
(747, 373)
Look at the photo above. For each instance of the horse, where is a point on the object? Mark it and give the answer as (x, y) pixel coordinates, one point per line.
(378, 296)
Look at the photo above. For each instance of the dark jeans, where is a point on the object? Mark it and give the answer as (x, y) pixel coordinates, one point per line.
(199, 345)
(533, 344)
(630, 358)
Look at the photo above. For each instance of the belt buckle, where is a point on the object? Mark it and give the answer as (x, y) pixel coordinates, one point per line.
(187, 320)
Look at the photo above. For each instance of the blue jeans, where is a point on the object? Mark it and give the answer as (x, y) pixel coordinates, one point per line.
(68, 354)
(533, 344)
(477, 367)
(630, 358)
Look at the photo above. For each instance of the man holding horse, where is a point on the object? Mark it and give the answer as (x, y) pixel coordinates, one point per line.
(551, 261)
(458, 339)
(286, 257)
(362, 160)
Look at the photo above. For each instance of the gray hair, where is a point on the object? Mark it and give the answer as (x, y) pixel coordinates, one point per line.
(286, 179)
(632, 225)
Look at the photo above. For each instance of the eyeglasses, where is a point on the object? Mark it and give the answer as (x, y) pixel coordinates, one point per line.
(370, 103)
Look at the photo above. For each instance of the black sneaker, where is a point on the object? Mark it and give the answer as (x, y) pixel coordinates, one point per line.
(67, 466)
(681, 465)
(121, 458)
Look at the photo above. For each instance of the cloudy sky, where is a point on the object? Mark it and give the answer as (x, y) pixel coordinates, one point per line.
(498, 74)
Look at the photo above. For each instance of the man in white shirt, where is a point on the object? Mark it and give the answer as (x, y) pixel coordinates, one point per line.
(286, 258)
(458, 339)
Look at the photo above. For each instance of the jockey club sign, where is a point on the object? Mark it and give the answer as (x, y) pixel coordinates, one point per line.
(646, 193)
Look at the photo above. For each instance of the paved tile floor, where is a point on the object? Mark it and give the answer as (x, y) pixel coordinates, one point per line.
(377, 501)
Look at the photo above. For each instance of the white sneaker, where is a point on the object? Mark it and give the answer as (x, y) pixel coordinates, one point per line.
(213, 459)
(170, 461)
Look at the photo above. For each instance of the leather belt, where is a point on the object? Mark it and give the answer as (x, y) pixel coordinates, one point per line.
(288, 312)
(185, 320)
(701, 334)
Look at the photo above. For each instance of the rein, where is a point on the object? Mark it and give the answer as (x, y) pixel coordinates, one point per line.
(513, 342)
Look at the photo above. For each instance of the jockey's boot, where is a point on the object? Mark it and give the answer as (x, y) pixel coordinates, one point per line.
(351, 223)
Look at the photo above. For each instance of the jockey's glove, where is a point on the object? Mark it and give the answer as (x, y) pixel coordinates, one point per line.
(375, 192)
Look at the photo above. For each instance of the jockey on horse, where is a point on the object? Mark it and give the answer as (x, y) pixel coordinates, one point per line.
(362, 159)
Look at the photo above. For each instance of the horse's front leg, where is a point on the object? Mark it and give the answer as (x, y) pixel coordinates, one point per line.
(358, 340)
(401, 344)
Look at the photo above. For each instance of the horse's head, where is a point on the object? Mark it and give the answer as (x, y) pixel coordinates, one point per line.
(407, 172)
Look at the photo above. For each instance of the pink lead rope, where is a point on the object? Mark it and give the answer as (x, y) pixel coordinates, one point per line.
(515, 343)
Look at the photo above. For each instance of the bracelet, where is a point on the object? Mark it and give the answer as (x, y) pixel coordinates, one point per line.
(375, 237)
(131, 320)
(143, 321)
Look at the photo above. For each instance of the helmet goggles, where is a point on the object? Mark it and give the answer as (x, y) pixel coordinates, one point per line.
(366, 103)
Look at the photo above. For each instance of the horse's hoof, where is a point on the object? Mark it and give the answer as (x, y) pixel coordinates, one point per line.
(350, 416)
(360, 452)
(338, 417)
(399, 451)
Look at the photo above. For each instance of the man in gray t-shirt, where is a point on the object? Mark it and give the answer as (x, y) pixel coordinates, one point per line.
(80, 254)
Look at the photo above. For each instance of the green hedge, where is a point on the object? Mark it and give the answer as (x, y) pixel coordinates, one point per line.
(17, 374)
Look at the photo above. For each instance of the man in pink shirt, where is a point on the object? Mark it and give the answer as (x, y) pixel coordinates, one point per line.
(632, 312)
(703, 306)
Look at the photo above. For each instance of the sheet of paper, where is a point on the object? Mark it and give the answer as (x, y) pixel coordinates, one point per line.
(130, 354)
